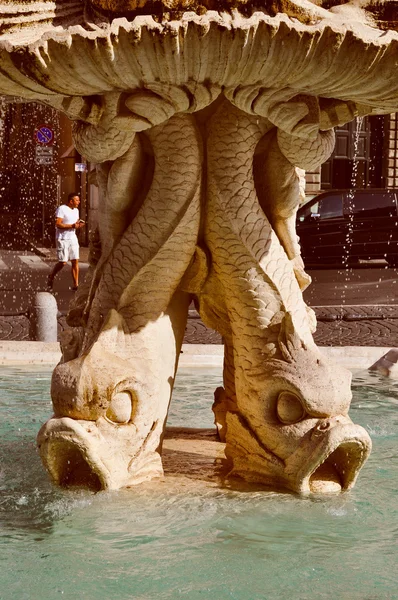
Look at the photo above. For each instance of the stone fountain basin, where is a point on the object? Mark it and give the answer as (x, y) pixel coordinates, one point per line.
(196, 356)
(331, 59)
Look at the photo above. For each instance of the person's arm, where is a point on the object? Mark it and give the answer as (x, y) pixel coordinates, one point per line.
(61, 225)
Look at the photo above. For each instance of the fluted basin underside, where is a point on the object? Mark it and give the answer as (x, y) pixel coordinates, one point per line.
(331, 58)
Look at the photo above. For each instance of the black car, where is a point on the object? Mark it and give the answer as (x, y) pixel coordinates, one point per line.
(345, 225)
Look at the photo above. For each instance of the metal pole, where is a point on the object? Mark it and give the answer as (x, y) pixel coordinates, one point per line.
(42, 201)
(86, 205)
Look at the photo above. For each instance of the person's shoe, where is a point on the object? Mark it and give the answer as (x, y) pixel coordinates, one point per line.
(74, 288)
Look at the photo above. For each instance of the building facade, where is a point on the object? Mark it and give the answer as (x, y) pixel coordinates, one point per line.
(36, 172)
(365, 155)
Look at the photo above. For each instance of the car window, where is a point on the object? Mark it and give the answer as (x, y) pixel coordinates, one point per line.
(325, 208)
(374, 204)
(307, 211)
(331, 206)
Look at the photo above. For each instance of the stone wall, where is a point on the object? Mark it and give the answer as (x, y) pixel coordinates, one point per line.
(392, 150)
(313, 182)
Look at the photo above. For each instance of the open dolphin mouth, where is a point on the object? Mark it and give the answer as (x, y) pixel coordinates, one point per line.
(97, 455)
(68, 450)
(334, 462)
(77, 453)
(339, 470)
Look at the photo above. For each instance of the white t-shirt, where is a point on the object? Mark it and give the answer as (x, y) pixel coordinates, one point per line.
(69, 216)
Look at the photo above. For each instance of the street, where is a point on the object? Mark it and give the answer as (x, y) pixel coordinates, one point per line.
(23, 273)
(368, 283)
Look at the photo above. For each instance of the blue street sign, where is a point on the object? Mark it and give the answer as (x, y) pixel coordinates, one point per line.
(44, 135)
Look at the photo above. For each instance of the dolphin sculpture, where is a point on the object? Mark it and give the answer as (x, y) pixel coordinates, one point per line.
(201, 119)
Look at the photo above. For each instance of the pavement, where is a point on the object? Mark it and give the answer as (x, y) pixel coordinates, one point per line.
(355, 307)
(23, 273)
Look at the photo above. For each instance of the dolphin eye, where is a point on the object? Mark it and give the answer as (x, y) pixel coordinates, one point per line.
(120, 408)
(289, 408)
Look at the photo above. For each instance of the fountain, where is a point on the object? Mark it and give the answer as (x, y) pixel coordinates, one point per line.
(201, 119)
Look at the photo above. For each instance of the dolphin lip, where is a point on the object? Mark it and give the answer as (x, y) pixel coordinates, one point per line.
(335, 460)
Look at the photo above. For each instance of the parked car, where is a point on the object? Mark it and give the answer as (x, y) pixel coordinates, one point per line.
(343, 225)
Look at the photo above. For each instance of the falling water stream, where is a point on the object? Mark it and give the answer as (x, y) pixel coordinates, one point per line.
(347, 271)
(2, 118)
(29, 195)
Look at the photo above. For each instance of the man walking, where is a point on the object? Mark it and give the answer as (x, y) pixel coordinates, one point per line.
(66, 223)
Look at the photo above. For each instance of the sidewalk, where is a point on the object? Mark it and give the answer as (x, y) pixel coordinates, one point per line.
(375, 326)
(24, 273)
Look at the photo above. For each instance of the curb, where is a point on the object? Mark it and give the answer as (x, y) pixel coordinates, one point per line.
(29, 353)
(193, 355)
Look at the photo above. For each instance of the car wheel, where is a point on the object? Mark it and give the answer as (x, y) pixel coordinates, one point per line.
(392, 260)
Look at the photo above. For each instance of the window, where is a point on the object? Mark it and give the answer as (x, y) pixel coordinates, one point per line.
(375, 204)
(331, 207)
(325, 208)
(307, 211)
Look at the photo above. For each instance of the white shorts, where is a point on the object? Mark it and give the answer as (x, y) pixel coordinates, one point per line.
(68, 249)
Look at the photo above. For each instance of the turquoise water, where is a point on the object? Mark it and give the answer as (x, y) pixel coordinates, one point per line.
(215, 544)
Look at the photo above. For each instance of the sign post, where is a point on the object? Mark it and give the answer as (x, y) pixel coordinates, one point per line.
(44, 135)
(44, 156)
